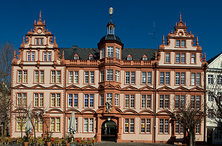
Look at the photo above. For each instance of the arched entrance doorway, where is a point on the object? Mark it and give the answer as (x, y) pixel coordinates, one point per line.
(109, 131)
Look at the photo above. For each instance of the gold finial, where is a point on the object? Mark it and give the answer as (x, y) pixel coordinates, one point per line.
(111, 10)
(180, 17)
(163, 40)
(197, 43)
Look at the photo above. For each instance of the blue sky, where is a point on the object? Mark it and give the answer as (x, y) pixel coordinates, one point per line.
(83, 22)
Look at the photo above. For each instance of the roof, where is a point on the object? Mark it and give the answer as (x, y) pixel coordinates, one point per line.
(84, 53)
(212, 59)
(110, 37)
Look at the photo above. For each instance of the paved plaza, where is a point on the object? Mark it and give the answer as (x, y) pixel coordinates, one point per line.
(108, 143)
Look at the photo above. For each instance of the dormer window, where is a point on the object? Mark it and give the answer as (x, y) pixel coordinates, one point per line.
(39, 41)
(118, 53)
(144, 57)
(129, 57)
(76, 57)
(109, 51)
(91, 57)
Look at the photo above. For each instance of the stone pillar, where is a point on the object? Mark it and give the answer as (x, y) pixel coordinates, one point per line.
(98, 126)
(119, 134)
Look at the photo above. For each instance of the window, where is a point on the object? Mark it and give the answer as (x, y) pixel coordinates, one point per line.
(129, 101)
(183, 58)
(193, 58)
(116, 99)
(89, 100)
(76, 74)
(118, 53)
(55, 99)
(22, 76)
(198, 128)
(20, 122)
(146, 77)
(183, 43)
(101, 99)
(130, 78)
(164, 101)
(195, 102)
(179, 101)
(73, 100)
(39, 76)
(76, 124)
(149, 77)
(178, 128)
(89, 77)
(219, 79)
(180, 78)
(210, 114)
(55, 124)
(102, 76)
(210, 96)
(129, 125)
(177, 57)
(167, 60)
(30, 56)
(164, 126)
(109, 97)
(109, 51)
(38, 99)
(39, 41)
(145, 58)
(177, 43)
(47, 56)
(146, 101)
(129, 57)
(167, 77)
(38, 124)
(88, 125)
(210, 79)
(109, 75)
(55, 76)
(102, 53)
(21, 99)
(117, 76)
(195, 78)
(76, 57)
(180, 57)
(145, 125)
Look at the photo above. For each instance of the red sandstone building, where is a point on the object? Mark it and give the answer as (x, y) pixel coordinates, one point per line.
(116, 93)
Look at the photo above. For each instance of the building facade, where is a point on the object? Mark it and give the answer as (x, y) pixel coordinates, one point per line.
(214, 81)
(117, 93)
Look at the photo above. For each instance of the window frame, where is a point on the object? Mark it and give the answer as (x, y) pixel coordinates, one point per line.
(39, 76)
(55, 124)
(39, 101)
(55, 99)
(131, 96)
(47, 56)
(167, 57)
(22, 98)
(164, 126)
(73, 100)
(132, 78)
(31, 56)
(88, 125)
(56, 76)
(146, 101)
(128, 125)
(22, 76)
(89, 95)
(164, 101)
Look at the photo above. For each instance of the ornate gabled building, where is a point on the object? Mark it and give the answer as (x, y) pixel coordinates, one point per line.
(121, 94)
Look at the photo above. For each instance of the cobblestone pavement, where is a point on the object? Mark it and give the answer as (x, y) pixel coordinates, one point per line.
(108, 143)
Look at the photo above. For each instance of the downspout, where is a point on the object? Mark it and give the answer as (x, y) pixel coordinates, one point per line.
(155, 81)
(205, 92)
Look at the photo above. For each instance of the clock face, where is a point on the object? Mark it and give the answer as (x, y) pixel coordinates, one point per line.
(39, 30)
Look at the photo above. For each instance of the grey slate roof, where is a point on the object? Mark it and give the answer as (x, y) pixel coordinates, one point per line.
(110, 37)
(84, 53)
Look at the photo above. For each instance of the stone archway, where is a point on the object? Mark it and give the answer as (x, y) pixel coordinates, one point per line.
(109, 131)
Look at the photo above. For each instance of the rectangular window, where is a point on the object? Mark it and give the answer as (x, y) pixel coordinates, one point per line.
(210, 96)
(118, 53)
(161, 101)
(127, 77)
(58, 74)
(177, 127)
(143, 102)
(109, 98)
(126, 101)
(70, 76)
(101, 99)
(91, 100)
(164, 101)
(183, 58)
(182, 78)
(149, 77)
(148, 101)
(177, 78)
(193, 58)
(41, 99)
(53, 76)
(183, 43)
(109, 51)
(52, 124)
(86, 76)
(192, 78)
(53, 99)
(85, 124)
(86, 98)
(210, 114)
(161, 126)
(57, 124)
(21, 99)
(90, 124)
(91, 77)
(132, 101)
(117, 76)
(70, 100)
(20, 122)
(28, 56)
(131, 125)
(116, 99)
(166, 126)
(126, 125)
(198, 79)
(19, 76)
(161, 77)
(33, 56)
(197, 102)
(210, 79)
(177, 43)
(49, 56)
(167, 58)
(219, 79)
(143, 77)
(58, 100)
(148, 125)
(36, 76)
(76, 74)
(44, 56)
(192, 101)
(36, 99)
(22, 76)
(177, 57)
(102, 76)
(142, 125)
(102, 53)
(167, 78)
(132, 77)
(179, 101)
(39, 76)
(198, 128)
(109, 74)
(75, 100)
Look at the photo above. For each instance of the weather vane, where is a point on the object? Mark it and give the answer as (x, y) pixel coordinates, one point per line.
(111, 12)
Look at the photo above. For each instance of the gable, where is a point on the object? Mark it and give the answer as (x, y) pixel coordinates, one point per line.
(130, 88)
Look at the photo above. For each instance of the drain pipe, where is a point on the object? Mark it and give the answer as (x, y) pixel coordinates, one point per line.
(155, 80)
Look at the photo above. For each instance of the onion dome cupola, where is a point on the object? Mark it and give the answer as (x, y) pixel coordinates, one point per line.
(110, 45)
